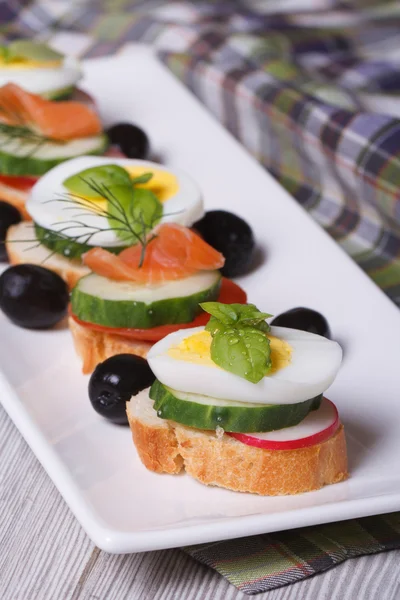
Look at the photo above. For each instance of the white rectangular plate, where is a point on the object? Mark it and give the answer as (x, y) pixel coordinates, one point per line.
(122, 506)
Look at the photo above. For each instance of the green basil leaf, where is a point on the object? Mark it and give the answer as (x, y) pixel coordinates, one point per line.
(88, 182)
(223, 312)
(248, 314)
(139, 209)
(244, 352)
(142, 178)
(263, 326)
(240, 315)
(119, 204)
(145, 212)
(131, 212)
(214, 325)
(33, 50)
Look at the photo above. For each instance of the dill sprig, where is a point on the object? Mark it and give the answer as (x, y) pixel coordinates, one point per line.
(127, 222)
(137, 227)
(21, 132)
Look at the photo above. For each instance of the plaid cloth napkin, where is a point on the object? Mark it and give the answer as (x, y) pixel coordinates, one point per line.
(265, 562)
(314, 96)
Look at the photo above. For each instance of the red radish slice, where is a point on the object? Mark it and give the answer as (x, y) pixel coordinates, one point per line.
(318, 426)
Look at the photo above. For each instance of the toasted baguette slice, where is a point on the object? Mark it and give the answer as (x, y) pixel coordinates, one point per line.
(221, 460)
(21, 249)
(95, 346)
(15, 197)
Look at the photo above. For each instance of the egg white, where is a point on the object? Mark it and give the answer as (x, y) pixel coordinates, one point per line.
(42, 80)
(45, 208)
(314, 364)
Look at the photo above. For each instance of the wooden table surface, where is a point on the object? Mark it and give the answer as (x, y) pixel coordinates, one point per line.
(46, 555)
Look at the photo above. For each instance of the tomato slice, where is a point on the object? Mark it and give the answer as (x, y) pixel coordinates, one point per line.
(19, 183)
(230, 293)
(316, 428)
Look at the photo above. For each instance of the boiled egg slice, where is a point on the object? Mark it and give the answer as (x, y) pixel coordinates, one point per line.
(49, 203)
(303, 366)
(50, 80)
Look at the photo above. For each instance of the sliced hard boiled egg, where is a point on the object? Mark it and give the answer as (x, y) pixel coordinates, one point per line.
(49, 203)
(303, 366)
(50, 80)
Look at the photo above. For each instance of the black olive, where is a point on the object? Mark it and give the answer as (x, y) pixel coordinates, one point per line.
(9, 215)
(230, 235)
(115, 381)
(33, 297)
(305, 319)
(130, 139)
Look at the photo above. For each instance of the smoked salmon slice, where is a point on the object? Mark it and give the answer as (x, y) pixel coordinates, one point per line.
(176, 252)
(57, 120)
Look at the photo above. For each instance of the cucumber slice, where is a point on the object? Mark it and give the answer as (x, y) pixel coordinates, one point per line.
(61, 244)
(111, 303)
(207, 413)
(19, 157)
(59, 94)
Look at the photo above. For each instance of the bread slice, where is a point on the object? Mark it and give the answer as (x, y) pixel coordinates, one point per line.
(221, 460)
(15, 197)
(22, 247)
(95, 346)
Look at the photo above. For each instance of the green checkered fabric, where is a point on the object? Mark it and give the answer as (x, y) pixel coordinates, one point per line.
(314, 95)
(264, 562)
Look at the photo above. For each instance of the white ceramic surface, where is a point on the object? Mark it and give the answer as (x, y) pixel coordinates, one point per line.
(122, 506)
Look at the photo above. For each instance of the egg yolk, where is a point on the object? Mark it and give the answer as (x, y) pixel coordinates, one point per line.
(197, 349)
(281, 354)
(26, 64)
(163, 184)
